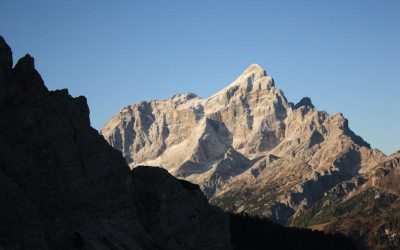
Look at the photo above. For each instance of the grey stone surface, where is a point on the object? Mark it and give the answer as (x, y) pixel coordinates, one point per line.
(247, 147)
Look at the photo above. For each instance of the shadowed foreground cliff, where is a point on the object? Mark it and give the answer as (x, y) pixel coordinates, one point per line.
(63, 187)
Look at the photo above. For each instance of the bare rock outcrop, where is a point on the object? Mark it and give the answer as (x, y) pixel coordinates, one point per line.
(247, 147)
(365, 209)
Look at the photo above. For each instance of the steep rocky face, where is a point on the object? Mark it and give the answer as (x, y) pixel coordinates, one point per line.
(246, 146)
(63, 187)
(366, 209)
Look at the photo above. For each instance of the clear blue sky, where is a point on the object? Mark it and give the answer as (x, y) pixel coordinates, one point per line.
(344, 55)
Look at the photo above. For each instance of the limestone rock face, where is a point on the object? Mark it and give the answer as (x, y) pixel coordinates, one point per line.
(247, 147)
(366, 209)
(63, 187)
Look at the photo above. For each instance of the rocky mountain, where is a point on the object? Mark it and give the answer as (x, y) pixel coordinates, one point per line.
(368, 210)
(251, 151)
(248, 148)
(63, 187)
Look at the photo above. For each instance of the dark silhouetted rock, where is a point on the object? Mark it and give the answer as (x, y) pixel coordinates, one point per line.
(305, 101)
(63, 187)
(176, 212)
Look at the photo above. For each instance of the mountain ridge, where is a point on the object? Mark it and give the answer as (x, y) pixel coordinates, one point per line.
(63, 187)
(252, 119)
(252, 151)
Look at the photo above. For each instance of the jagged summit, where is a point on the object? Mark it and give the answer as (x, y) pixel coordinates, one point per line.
(27, 60)
(254, 73)
(184, 97)
(255, 68)
(26, 76)
(6, 60)
(245, 141)
(254, 79)
(305, 101)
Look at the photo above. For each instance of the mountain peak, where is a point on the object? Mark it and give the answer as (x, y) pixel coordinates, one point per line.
(26, 75)
(255, 69)
(27, 62)
(225, 143)
(253, 73)
(305, 101)
(5, 58)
